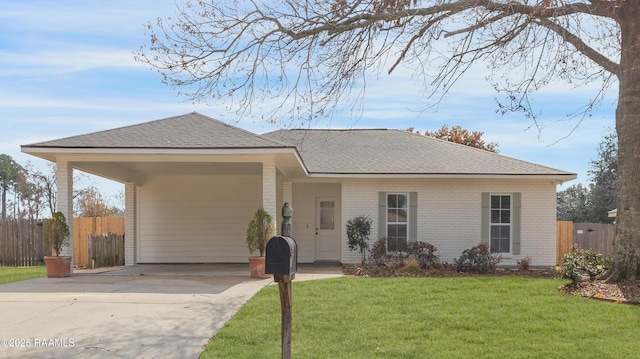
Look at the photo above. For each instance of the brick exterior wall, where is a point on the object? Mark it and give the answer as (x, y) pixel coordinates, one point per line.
(64, 183)
(449, 214)
(130, 225)
(269, 197)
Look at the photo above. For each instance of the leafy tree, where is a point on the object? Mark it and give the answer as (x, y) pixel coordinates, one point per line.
(29, 194)
(593, 202)
(604, 176)
(462, 136)
(358, 231)
(573, 204)
(311, 55)
(9, 171)
(90, 203)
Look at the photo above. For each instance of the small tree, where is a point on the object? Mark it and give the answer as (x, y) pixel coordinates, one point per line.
(457, 134)
(56, 233)
(358, 231)
(259, 230)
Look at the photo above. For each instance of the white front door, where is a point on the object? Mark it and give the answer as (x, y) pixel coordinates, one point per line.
(327, 229)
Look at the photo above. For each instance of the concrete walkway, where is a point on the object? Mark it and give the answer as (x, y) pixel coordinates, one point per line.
(147, 311)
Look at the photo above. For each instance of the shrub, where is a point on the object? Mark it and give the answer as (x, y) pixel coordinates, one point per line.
(56, 233)
(358, 231)
(411, 265)
(378, 252)
(259, 231)
(583, 262)
(423, 253)
(477, 259)
(524, 263)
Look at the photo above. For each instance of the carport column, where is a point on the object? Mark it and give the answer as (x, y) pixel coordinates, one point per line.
(287, 193)
(130, 224)
(269, 188)
(64, 184)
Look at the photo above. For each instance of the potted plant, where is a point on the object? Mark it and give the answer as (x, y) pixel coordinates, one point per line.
(56, 236)
(259, 230)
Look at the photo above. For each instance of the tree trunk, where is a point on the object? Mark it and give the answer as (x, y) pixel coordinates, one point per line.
(626, 257)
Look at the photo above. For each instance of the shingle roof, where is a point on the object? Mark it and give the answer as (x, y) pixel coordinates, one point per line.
(190, 131)
(379, 151)
(330, 152)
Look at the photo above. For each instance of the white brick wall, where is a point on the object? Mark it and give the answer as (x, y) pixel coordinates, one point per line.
(449, 213)
(64, 183)
(130, 225)
(287, 193)
(269, 189)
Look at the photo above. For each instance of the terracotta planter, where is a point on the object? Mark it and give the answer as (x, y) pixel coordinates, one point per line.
(256, 267)
(58, 267)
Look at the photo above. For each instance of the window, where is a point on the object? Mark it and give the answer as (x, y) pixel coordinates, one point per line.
(500, 224)
(397, 221)
(327, 213)
(500, 227)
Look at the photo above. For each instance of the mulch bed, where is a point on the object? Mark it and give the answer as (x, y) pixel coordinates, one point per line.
(627, 292)
(624, 292)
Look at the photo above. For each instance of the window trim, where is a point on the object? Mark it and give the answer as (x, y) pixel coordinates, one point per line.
(412, 215)
(485, 219)
(500, 224)
(407, 208)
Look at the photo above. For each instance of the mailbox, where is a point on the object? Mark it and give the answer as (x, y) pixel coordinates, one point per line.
(281, 256)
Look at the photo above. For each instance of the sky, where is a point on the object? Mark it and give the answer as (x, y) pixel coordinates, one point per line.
(67, 68)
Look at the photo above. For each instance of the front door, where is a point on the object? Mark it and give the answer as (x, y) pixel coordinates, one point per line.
(327, 229)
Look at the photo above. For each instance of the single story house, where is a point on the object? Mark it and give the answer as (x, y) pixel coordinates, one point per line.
(192, 184)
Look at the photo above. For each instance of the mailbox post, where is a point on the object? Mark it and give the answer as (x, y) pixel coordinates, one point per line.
(281, 260)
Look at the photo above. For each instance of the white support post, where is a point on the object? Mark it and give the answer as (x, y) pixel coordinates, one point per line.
(130, 225)
(64, 182)
(287, 193)
(269, 188)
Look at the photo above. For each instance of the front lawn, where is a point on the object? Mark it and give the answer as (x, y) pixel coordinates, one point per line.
(471, 317)
(14, 274)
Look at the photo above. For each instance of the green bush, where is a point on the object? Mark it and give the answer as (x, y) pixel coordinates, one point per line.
(477, 259)
(424, 254)
(358, 231)
(583, 262)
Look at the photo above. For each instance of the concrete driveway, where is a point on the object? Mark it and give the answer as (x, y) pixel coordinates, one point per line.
(147, 311)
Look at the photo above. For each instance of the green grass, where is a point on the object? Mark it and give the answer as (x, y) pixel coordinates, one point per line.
(14, 274)
(473, 317)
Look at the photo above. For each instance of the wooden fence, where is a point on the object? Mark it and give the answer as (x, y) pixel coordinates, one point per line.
(594, 236)
(82, 227)
(106, 250)
(22, 242)
(564, 239)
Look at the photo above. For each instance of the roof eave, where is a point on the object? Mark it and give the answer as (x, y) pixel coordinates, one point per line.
(554, 177)
(50, 153)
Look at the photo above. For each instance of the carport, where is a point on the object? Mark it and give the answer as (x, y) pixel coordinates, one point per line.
(192, 184)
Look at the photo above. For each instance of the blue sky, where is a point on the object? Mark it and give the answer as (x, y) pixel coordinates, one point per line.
(67, 68)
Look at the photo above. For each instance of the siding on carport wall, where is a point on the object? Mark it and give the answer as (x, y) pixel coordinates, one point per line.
(196, 219)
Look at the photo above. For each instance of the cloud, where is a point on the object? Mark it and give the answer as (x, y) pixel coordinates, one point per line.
(82, 17)
(47, 63)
